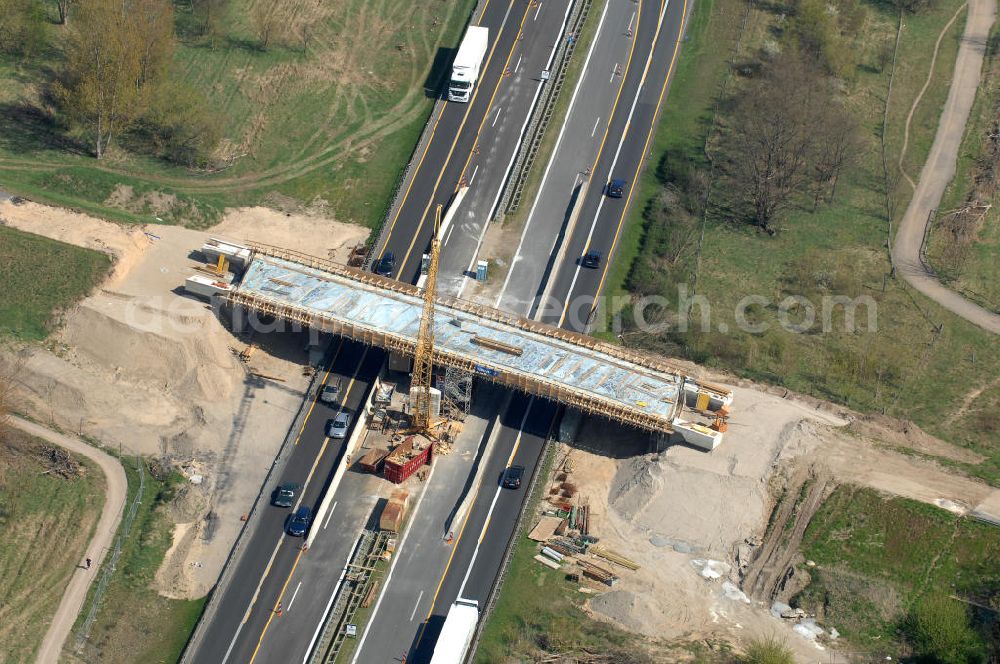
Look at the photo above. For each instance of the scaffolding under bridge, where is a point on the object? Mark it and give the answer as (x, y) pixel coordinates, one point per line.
(638, 389)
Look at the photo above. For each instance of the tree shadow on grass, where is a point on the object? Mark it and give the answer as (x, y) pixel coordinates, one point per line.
(28, 129)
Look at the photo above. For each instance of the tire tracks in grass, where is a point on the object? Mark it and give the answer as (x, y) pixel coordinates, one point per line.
(404, 112)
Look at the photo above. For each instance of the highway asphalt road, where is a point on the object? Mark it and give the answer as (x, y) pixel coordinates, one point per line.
(479, 550)
(573, 287)
(424, 550)
(477, 558)
(499, 140)
(269, 562)
(475, 140)
(267, 569)
(580, 140)
(312, 585)
(267, 557)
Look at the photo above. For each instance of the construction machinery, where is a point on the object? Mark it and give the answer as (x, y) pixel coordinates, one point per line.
(218, 268)
(423, 361)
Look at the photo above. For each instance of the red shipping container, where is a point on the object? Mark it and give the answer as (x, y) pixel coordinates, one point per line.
(398, 468)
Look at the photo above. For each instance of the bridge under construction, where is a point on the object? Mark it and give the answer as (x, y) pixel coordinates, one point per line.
(573, 369)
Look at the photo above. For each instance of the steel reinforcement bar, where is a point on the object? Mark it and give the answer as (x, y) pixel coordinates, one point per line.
(529, 384)
(464, 306)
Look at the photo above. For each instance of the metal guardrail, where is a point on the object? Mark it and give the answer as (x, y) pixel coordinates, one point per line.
(108, 570)
(543, 111)
(408, 171)
(357, 584)
(405, 178)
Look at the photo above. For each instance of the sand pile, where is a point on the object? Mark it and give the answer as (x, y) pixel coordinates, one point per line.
(125, 243)
(315, 235)
(141, 365)
(677, 505)
(666, 510)
(190, 359)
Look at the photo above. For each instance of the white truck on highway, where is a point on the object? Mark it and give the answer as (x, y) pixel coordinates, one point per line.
(465, 69)
(456, 636)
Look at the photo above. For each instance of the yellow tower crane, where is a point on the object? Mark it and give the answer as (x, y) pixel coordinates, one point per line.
(423, 361)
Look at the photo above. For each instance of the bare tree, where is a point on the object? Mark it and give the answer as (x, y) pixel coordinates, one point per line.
(63, 7)
(772, 140)
(305, 34)
(153, 22)
(837, 147)
(117, 53)
(265, 22)
(211, 13)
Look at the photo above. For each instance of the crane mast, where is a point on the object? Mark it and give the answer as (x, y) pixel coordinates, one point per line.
(423, 361)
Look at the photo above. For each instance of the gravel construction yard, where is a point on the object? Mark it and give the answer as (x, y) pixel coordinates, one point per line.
(141, 365)
(683, 514)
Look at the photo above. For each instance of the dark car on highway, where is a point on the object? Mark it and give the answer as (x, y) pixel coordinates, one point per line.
(591, 259)
(284, 495)
(298, 523)
(512, 477)
(616, 188)
(385, 265)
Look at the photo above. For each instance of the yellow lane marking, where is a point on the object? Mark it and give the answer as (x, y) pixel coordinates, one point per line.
(482, 535)
(607, 128)
(312, 470)
(486, 114)
(430, 141)
(277, 603)
(321, 386)
(621, 86)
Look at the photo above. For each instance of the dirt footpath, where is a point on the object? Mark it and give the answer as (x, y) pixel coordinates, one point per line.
(939, 170)
(114, 503)
(141, 364)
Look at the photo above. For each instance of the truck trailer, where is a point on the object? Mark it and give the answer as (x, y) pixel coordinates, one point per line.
(456, 636)
(465, 69)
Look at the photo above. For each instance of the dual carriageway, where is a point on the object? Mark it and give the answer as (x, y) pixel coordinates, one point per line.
(607, 133)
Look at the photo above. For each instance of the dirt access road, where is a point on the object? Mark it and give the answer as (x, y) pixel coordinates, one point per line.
(114, 502)
(939, 170)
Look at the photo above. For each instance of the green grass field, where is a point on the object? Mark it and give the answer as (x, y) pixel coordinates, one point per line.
(41, 279)
(903, 366)
(332, 123)
(45, 523)
(876, 556)
(135, 624)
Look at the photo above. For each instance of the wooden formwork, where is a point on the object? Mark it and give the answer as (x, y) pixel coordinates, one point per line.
(530, 384)
(489, 313)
